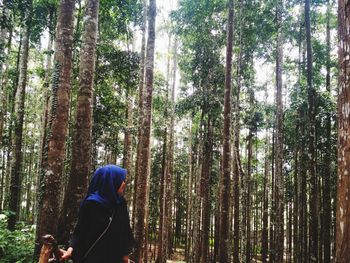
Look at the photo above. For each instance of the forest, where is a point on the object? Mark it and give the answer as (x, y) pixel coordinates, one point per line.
(231, 117)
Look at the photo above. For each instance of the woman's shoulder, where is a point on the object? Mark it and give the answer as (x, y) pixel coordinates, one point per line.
(93, 206)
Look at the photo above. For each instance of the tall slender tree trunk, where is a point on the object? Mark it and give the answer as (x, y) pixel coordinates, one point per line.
(237, 170)
(162, 238)
(81, 148)
(49, 201)
(189, 197)
(205, 184)
(16, 162)
(312, 142)
(170, 155)
(264, 234)
(248, 182)
(127, 151)
(226, 155)
(4, 28)
(279, 190)
(327, 162)
(47, 98)
(144, 158)
(4, 74)
(342, 251)
(140, 103)
(296, 200)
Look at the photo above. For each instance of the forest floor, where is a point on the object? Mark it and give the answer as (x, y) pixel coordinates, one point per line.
(178, 256)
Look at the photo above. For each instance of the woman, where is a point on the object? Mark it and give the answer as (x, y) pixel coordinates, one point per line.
(103, 232)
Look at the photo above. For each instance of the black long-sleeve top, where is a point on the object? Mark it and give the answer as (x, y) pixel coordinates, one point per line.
(93, 219)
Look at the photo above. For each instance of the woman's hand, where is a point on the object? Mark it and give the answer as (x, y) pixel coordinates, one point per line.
(66, 254)
(125, 259)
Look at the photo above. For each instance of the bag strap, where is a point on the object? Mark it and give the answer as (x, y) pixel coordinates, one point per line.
(99, 238)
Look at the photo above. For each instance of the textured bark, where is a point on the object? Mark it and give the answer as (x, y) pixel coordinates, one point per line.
(296, 201)
(16, 162)
(58, 122)
(327, 218)
(226, 155)
(279, 190)
(204, 185)
(127, 152)
(236, 165)
(5, 30)
(81, 148)
(144, 153)
(170, 159)
(189, 197)
(343, 193)
(273, 200)
(46, 97)
(141, 95)
(247, 190)
(303, 211)
(162, 238)
(264, 234)
(314, 224)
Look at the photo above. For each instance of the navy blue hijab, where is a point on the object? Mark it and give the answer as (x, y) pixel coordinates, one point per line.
(105, 184)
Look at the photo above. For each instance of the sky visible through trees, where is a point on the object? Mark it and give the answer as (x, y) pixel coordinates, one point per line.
(231, 117)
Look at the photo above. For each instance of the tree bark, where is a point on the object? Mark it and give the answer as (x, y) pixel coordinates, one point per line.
(144, 154)
(311, 142)
(17, 155)
(343, 190)
(264, 234)
(49, 201)
(205, 187)
(279, 190)
(226, 155)
(81, 148)
(162, 238)
(141, 98)
(170, 156)
(327, 206)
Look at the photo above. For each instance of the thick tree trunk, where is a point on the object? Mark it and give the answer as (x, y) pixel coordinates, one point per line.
(16, 162)
(226, 157)
(81, 148)
(343, 192)
(312, 142)
(279, 190)
(49, 202)
(144, 158)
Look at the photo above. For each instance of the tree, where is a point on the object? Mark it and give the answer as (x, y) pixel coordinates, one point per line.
(226, 171)
(81, 149)
(16, 162)
(342, 249)
(279, 230)
(61, 84)
(144, 137)
(311, 139)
